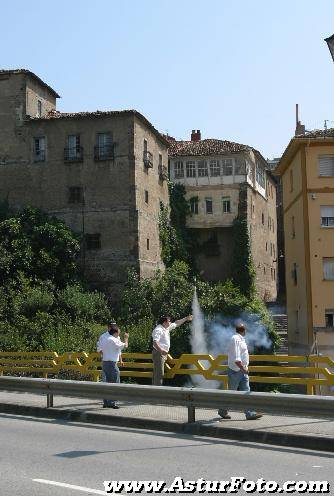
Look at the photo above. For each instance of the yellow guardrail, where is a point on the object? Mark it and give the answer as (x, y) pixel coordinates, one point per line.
(309, 371)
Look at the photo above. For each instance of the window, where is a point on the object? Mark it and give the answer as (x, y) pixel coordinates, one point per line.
(75, 194)
(328, 266)
(93, 241)
(269, 223)
(147, 244)
(266, 245)
(272, 274)
(194, 205)
(104, 147)
(249, 169)
(274, 251)
(73, 148)
(146, 196)
(208, 205)
(240, 167)
(39, 149)
(202, 166)
(293, 230)
(327, 215)
(39, 108)
(226, 205)
(294, 274)
(191, 168)
(329, 317)
(147, 156)
(263, 219)
(214, 168)
(178, 170)
(291, 180)
(326, 165)
(260, 176)
(271, 249)
(227, 165)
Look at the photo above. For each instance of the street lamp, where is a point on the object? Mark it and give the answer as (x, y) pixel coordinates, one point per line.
(330, 43)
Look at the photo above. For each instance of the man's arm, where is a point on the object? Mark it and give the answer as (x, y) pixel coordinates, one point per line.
(179, 322)
(238, 361)
(158, 347)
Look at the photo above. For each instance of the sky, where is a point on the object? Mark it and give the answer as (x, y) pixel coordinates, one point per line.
(232, 68)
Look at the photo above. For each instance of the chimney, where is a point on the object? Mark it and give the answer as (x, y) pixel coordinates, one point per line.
(195, 135)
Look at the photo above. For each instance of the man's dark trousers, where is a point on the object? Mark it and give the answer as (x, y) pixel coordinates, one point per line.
(110, 373)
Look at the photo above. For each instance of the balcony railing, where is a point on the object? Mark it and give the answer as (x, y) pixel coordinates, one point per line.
(39, 156)
(73, 154)
(103, 152)
(148, 159)
(163, 173)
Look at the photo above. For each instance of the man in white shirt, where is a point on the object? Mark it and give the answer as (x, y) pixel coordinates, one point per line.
(238, 361)
(110, 346)
(161, 345)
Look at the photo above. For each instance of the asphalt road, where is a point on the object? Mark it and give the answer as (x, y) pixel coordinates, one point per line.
(84, 455)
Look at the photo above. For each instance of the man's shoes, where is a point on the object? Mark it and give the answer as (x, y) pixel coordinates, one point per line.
(224, 415)
(255, 416)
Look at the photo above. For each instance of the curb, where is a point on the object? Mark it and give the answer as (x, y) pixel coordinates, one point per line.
(311, 442)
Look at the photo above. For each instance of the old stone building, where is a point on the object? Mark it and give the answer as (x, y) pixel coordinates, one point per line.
(103, 173)
(223, 179)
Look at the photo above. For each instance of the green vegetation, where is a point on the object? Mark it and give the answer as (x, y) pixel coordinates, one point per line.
(46, 305)
(43, 303)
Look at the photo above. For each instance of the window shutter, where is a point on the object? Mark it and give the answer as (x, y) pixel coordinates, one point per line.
(328, 264)
(327, 211)
(326, 165)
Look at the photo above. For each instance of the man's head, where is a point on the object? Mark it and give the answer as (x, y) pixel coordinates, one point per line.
(240, 328)
(113, 330)
(164, 321)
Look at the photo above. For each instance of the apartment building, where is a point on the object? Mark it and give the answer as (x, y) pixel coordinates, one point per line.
(224, 179)
(103, 173)
(307, 173)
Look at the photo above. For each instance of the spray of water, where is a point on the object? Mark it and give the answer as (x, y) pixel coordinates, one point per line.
(213, 337)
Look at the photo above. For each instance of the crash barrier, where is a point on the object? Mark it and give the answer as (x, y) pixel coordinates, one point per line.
(310, 371)
(191, 398)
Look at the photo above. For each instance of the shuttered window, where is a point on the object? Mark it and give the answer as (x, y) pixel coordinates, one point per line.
(327, 215)
(326, 165)
(328, 265)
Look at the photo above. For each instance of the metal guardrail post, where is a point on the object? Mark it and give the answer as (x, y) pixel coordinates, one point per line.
(49, 400)
(191, 414)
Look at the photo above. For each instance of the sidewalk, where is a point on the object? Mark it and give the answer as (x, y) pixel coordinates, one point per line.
(309, 433)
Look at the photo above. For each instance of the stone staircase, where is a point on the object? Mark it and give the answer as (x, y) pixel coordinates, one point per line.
(281, 326)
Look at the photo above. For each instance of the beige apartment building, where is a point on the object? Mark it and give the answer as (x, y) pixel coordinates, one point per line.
(103, 173)
(307, 172)
(224, 179)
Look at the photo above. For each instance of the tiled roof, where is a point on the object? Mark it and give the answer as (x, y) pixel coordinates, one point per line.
(318, 133)
(205, 147)
(31, 74)
(54, 114)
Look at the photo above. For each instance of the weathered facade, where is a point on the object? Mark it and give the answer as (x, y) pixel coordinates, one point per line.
(307, 174)
(224, 179)
(103, 173)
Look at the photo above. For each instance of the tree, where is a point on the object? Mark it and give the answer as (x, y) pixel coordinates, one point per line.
(37, 246)
(243, 271)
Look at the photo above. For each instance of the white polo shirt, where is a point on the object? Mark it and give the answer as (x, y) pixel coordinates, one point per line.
(161, 334)
(237, 351)
(111, 348)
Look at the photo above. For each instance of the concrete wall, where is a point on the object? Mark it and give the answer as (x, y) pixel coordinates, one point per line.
(262, 221)
(149, 180)
(320, 192)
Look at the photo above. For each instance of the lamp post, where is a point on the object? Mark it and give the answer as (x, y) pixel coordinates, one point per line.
(330, 43)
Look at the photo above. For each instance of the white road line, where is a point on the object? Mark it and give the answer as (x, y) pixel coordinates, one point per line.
(70, 486)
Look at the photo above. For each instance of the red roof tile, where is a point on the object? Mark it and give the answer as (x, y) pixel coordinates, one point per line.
(205, 147)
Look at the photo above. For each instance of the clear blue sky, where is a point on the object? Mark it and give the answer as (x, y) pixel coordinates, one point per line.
(234, 69)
